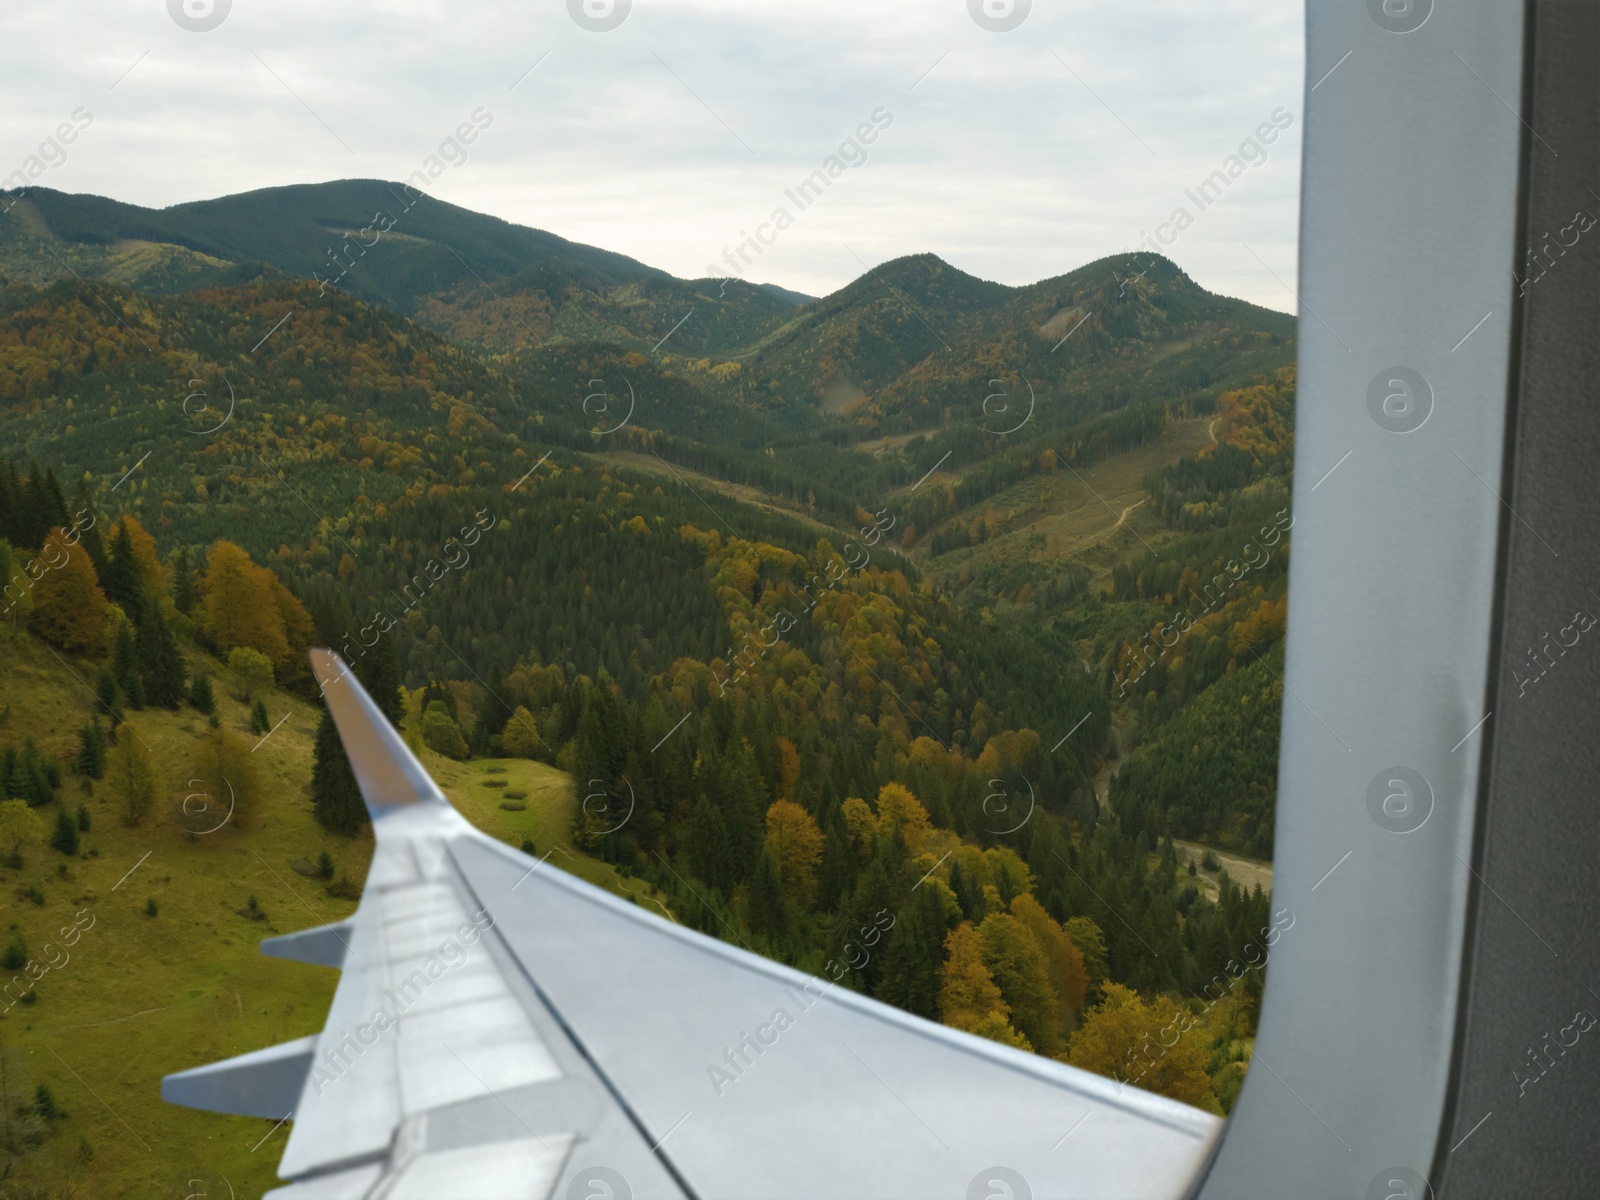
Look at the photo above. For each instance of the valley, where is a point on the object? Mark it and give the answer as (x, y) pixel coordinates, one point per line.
(833, 638)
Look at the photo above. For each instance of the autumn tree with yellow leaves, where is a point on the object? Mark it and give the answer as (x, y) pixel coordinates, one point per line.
(69, 607)
(795, 843)
(247, 605)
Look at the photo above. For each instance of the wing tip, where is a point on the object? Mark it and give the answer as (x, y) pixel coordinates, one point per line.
(386, 771)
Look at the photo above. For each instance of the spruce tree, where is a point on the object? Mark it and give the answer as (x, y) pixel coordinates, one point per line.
(65, 838)
(334, 792)
(160, 664)
(913, 952)
(765, 898)
(184, 593)
(125, 662)
(200, 693)
(379, 672)
(83, 515)
(121, 578)
(10, 498)
(92, 750)
(109, 695)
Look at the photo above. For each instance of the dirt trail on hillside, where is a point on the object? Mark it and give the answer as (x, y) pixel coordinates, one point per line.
(1247, 872)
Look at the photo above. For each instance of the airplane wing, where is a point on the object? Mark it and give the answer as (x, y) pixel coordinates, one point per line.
(504, 1030)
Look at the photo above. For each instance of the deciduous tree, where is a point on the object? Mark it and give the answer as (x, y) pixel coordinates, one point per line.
(520, 738)
(223, 784)
(795, 843)
(1151, 1045)
(69, 609)
(1017, 965)
(131, 774)
(19, 826)
(967, 992)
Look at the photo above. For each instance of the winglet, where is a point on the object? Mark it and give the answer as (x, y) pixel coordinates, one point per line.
(388, 774)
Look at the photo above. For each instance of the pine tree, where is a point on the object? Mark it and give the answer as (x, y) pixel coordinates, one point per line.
(913, 953)
(161, 667)
(200, 693)
(83, 515)
(24, 775)
(92, 750)
(65, 837)
(765, 901)
(10, 497)
(259, 721)
(334, 792)
(121, 580)
(125, 662)
(185, 595)
(379, 672)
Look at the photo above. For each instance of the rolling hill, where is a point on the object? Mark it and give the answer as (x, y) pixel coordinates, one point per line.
(819, 590)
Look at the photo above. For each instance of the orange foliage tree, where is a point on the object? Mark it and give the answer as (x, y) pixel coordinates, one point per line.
(795, 842)
(69, 609)
(1155, 1046)
(247, 605)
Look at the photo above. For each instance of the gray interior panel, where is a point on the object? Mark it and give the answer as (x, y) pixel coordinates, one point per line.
(1409, 210)
(1529, 1062)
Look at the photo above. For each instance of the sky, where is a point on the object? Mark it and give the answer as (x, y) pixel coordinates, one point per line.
(670, 130)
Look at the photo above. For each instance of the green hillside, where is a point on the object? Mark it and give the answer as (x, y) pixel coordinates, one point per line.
(933, 596)
(135, 995)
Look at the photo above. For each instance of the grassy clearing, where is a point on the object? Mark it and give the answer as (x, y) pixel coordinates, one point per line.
(1096, 516)
(138, 996)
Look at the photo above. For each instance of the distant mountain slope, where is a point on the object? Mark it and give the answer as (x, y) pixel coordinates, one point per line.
(916, 343)
(476, 278)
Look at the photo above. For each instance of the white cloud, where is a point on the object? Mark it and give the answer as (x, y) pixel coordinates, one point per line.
(668, 136)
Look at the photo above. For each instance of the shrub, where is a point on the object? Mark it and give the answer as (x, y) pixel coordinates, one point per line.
(441, 733)
(253, 668)
(150, 907)
(16, 955)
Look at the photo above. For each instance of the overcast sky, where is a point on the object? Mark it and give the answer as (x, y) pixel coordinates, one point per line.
(1014, 155)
